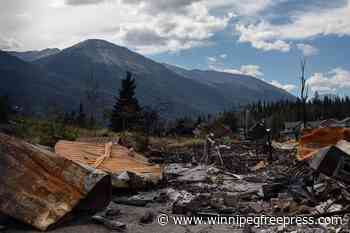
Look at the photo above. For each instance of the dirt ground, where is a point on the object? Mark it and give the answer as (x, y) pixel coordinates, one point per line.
(130, 215)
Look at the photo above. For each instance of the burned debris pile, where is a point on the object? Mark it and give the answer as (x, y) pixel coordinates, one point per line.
(221, 177)
(127, 168)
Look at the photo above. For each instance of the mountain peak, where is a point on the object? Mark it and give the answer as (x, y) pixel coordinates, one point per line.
(95, 43)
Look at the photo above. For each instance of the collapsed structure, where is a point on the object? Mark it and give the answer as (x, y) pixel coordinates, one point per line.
(40, 188)
(314, 140)
(127, 168)
(327, 151)
(236, 179)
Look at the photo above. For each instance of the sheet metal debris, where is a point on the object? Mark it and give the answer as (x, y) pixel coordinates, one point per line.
(40, 188)
(314, 140)
(333, 161)
(117, 160)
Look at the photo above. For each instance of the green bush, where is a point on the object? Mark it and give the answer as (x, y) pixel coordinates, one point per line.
(46, 133)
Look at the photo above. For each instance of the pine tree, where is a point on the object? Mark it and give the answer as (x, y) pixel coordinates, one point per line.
(4, 109)
(126, 112)
(81, 118)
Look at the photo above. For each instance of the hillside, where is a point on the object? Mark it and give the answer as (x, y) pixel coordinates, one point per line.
(34, 55)
(62, 78)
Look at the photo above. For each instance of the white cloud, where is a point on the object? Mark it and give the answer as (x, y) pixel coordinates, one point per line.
(217, 63)
(287, 87)
(238, 7)
(212, 59)
(83, 2)
(241, 8)
(267, 36)
(254, 71)
(332, 81)
(177, 25)
(9, 43)
(163, 25)
(223, 56)
(261, 37)
(172, 32)
(251, 70)
(307, 50)
(160, 6)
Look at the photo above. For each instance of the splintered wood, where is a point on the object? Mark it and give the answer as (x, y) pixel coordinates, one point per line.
(108, 157)
(107, 154)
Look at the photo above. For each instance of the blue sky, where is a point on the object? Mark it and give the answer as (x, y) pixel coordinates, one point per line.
(262, 38)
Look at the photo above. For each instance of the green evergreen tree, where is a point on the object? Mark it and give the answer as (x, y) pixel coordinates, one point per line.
(126, 113)
(81, 118)
(4, 109)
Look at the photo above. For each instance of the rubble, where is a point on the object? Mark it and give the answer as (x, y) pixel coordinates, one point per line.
(333, 161)
(110, 224)
(141, 199)
(147, 217)
(108, 218)
(316, 139)
(127, 168)
(40, 188)
(242, 180)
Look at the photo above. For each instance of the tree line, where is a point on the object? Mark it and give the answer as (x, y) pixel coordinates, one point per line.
(317, 108)
(128, 114)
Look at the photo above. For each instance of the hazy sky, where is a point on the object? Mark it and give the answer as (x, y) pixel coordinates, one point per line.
(263, 38)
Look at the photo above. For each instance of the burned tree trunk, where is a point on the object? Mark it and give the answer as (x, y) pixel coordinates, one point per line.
(39, 188)
(304, 91)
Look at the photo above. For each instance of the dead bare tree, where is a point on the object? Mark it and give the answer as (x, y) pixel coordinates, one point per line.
(304, 90)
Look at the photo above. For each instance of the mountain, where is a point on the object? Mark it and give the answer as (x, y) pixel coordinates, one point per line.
(240, 88)
(29, 86)
(34, 55)
(63, 80)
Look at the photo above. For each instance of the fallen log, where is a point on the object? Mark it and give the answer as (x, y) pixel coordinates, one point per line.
(40, 188)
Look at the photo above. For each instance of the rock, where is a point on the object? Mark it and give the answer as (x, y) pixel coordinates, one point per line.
(196, 174)
(141, 199)
(258, 207)
(112, 210)
(183, 202)
(128, 180)
(110, 224)
(231, 199)
(217, 203)
(189, 203)
(328, 206)
(213, 171)
(147, 217)
(174, 170)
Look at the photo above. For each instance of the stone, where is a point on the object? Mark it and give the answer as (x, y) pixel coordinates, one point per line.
(148, 217)
(110, 224)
